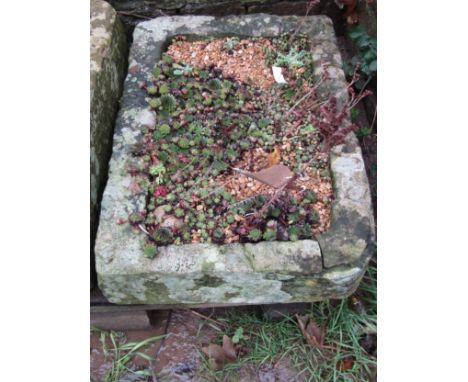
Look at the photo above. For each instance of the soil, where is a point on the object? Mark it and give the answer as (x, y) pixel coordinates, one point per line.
(178, 356)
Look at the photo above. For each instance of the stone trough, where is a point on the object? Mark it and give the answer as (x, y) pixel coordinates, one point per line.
(266, 272)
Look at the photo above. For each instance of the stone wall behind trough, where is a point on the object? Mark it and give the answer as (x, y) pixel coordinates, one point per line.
(135, 11)
(108, 61)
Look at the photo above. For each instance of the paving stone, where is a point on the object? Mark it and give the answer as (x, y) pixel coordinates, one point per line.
(126, 320)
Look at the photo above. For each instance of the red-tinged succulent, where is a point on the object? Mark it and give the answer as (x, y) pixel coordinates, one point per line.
(161, 191)
(183, 158)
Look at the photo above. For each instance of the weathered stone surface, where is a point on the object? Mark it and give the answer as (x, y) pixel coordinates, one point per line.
(134, 11)
(261, 273)
(280, 8)
(108, 60)
(352, 225)
(216, 8)
(126, 320)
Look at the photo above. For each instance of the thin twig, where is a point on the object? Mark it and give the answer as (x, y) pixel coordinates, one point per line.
(274, 197)
(373, 119)
(143, 229)
(307, 95)
(209, 319)
(310, 5)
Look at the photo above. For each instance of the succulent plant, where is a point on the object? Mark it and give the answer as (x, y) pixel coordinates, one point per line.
(227, 195)
(313, 217)
(294, 232)
(164, 129)
(167, 59)
(158, 169)
(259, 201)
(230, 219)
(186, 236)
(263, 123)
(208, 101)
(227, 85)
(325, 173)
(156, 71)
(179, 212)
(255, 234)
(135, 218)
(231, 43)
(163, 236)
(168, 102)
(150, 251)
(293, 217)
(152, 90)
(215, 84)
(183, 143)
(292, 59)
(306, 231)
(218, 235)
(164, 89)
(310, 196)
(274, 212)
(269, 234)
(154, 103)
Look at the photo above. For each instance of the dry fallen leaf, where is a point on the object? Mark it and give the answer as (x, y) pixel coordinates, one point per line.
(310, 330)
(345, 363)
(275, 176)
(350, 14)
(218, 356)
(229, 349)
(274, 157)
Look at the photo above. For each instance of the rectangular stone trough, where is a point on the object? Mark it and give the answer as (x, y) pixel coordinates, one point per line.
(266, 272)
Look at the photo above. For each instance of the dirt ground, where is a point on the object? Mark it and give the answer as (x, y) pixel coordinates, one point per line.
(177, 357)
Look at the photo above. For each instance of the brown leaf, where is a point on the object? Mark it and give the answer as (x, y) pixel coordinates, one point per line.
(219, 356)
(350, 13)
(314, 331)
(275, 176)
(228, 348)
(216, 355)
(345, 363)
(275, 156)
(353, 18)
(314, 335)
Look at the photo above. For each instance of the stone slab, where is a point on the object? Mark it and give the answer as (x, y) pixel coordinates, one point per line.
(108, 52)
(126, 320)
(261, 273)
